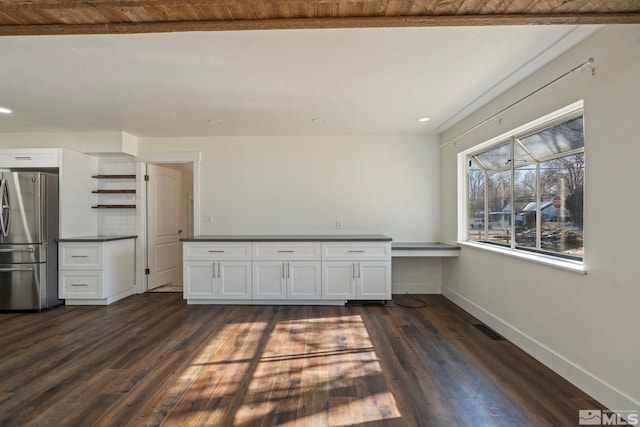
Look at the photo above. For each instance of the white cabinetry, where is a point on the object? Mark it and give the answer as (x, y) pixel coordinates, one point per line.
(355, 270)
(96, 272)
(217, 270)
(282, 271)
(30, 158)
(287, 270)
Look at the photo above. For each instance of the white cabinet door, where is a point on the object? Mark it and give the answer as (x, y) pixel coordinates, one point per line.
(234, 279)
(80, 256)
(304, 280)
(269, 280)
(356, 251)
(30, 158)
(338, 280)
(80, 284)
(218, 251)
(199, 280)
(286, 251)
(374, 280)
(296, 280)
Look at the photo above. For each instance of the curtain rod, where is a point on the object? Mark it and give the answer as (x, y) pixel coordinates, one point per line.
(588, 63)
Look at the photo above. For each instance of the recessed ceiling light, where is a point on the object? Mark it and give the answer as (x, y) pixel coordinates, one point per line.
(318, 120)
(5, 110)
(424, 119)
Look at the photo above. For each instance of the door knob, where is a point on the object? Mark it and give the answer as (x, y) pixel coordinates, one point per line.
(179, 230)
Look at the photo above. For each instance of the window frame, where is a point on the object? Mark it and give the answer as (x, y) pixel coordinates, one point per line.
(512, 138)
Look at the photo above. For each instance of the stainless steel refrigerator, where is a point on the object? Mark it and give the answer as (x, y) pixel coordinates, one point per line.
(28, 240)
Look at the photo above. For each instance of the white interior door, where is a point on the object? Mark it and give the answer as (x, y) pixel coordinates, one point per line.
(163, 225)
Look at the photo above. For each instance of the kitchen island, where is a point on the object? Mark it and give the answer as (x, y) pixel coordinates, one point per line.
(286, 269)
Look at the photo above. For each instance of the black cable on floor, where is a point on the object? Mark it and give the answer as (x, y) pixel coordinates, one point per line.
(406, 303)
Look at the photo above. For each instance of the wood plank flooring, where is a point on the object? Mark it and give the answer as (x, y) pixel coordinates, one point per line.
(152, 360)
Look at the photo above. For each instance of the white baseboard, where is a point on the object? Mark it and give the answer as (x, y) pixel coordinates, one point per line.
(606, 394)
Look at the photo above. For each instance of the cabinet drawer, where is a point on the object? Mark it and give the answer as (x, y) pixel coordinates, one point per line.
(81, 284)
(33, 158)
(80, 256)
(216, 251)
(359, 251)
(290, 251)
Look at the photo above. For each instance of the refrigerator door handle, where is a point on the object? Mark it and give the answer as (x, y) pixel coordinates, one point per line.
(10, 269)
(4, 204)
(5, 250)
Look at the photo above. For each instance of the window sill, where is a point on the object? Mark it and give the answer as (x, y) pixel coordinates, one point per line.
(575, 266)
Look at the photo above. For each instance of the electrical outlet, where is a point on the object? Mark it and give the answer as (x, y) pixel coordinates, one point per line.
(338, 224)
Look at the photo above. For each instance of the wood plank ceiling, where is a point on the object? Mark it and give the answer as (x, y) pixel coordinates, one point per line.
(34, 17)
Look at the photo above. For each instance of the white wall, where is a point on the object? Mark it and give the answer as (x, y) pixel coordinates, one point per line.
(583, 326)
(373, 184)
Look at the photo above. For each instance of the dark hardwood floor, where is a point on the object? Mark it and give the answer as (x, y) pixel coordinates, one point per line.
(152, 360)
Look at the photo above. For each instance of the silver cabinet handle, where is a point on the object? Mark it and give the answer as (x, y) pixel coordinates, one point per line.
(357, 252)
(3, 250)
(218, 270)
(288, 270)
(22, 157)
(9, 269)
(286, 252)
(353, 272)
(283, 273)
(216, 252)
(79, 284)
(79, 256)
(359, 271)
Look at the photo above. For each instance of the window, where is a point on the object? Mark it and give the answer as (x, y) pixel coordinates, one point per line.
(525, 190)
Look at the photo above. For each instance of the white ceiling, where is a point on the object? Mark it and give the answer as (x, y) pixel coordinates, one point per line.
(274, 82)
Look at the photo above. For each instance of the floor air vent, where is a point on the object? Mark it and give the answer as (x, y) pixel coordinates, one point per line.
(488, 332)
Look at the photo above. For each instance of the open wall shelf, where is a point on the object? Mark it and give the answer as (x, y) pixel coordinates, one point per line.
(114, 191)
(114, 176)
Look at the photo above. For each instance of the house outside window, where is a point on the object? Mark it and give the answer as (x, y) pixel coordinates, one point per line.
(525, 192)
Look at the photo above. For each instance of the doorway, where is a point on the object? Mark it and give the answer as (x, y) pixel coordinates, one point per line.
(169, 186)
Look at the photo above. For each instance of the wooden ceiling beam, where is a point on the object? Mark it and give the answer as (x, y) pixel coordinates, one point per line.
(35, 17)
(318, 23)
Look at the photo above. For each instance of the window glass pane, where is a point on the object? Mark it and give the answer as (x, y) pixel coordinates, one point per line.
(562, 182)
(521, 155)
(560, 138)
(499, 199)
(525, 189)
(475, 223)
(495, 158)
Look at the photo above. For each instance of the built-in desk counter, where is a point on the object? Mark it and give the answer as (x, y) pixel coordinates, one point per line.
(440, 250)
